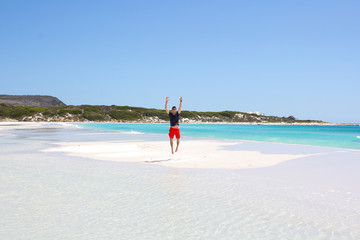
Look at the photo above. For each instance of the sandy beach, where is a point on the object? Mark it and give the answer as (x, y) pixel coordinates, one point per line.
(63, 182)
(202, 153)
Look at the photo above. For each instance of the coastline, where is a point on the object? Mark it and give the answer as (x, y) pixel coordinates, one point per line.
(59, 189)
(204, 154)
(187, 122)
(195, 152)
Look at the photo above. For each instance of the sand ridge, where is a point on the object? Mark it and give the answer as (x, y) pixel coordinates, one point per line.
(191, 154)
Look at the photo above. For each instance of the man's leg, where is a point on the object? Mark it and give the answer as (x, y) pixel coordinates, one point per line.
(171, 144)
(177, 144)
(171, 136)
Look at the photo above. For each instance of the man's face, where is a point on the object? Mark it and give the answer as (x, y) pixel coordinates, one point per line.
(173, 110)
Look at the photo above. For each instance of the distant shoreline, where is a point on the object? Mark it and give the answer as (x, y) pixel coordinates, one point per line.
(195, 122)
(113, 113)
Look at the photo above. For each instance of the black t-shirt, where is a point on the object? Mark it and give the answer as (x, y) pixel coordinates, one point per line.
(174, 119)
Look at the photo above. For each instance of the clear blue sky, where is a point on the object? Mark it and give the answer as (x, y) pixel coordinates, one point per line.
(281, 58)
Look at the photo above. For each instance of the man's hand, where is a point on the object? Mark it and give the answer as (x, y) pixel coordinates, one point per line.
(166, 107)
(179, 110)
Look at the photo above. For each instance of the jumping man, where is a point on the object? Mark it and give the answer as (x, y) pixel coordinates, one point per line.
(174, 124)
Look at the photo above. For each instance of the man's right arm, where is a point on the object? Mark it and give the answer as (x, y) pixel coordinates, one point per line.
(166, 107)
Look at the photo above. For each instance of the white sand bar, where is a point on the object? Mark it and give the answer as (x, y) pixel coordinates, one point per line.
(192, 153)
(52, 188)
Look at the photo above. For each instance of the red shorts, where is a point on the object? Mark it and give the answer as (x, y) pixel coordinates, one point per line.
(174, 131)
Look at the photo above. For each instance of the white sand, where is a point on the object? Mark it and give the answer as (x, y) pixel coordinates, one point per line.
(48, 195)
(202, 153)
(191, 154)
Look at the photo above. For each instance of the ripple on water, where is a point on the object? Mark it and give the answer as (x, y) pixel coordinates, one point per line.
(72, 198)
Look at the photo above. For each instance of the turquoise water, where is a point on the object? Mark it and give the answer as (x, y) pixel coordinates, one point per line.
(57, 196)
(331, 136)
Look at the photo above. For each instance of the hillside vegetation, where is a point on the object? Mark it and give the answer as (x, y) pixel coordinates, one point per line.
(84, 113)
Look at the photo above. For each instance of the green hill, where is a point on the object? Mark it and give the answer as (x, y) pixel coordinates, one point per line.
(114, 113)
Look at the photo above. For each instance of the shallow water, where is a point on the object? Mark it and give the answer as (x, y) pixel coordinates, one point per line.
(330, 136)
(52, 196)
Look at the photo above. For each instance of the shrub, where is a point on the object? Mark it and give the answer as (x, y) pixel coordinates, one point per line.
(291, 118)
(18, 112)
(74, 111)
(48, 113)
(89, 108)
(33, 110)
(227, 114)
(188, 114)
(152, 113)
(94, 117)
(4, 111)
(124, 115)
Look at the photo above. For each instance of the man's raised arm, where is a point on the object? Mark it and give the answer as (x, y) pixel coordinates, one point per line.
(179, 111)
(166, 107)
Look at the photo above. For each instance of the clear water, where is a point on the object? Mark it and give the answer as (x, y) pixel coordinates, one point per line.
(55, 196)
(330, 136)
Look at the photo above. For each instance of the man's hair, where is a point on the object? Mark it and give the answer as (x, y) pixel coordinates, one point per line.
(173, 107)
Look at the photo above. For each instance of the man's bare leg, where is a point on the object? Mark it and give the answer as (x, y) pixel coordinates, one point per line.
(177, 144)
(172, 146)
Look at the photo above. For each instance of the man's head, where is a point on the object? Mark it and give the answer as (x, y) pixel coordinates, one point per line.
(173, 109)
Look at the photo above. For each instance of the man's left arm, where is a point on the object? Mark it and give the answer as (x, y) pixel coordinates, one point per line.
(179, 111)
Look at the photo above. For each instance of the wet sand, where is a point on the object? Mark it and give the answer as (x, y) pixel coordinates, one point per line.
(52, 188)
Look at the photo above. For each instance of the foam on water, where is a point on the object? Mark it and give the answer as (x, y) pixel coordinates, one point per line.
(133, 132)
(70, 125)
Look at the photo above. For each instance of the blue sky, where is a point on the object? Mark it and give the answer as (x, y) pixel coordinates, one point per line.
(281, 58)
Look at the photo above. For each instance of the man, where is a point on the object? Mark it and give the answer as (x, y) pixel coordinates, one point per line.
(174, 124)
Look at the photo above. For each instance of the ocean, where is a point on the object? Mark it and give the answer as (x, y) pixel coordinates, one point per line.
(329, 136)
(53, 195)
